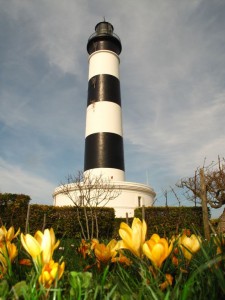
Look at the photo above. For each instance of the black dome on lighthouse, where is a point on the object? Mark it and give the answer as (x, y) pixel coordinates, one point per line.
(104, 39)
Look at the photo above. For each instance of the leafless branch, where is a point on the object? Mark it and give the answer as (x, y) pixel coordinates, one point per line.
(89, 192)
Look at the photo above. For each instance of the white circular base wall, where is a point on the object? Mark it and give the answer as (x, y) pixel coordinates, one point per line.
(132, 195)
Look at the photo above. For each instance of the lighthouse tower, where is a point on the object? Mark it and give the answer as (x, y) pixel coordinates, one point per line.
(104, 136)
(104, 155)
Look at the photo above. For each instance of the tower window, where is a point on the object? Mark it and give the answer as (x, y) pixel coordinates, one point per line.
(139, 201)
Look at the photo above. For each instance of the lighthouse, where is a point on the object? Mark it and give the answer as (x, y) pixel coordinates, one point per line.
(104, 153)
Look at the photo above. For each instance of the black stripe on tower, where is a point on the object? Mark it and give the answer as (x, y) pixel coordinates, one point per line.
(105, 44)
(104, 150)
(104, 87)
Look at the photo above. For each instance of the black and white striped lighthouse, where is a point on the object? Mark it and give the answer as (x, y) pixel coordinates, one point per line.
(104, 153)
(104, 135)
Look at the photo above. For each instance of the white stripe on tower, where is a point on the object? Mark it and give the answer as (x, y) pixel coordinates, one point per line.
(104, 135)
(103, 62)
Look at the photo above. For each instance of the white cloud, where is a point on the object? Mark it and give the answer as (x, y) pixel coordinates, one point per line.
(16, 180)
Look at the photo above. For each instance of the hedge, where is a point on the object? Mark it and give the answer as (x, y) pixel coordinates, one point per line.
(63, 219)
(162, 220)
(167, 221)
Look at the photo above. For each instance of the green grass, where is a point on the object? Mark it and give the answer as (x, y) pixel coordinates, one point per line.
(203, 277)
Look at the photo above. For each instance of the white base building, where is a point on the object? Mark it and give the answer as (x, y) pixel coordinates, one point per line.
(132, 195)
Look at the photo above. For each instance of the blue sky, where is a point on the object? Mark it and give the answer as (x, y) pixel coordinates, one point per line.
(172, 87)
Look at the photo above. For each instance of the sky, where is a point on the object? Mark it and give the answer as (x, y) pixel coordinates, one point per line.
(172, 79)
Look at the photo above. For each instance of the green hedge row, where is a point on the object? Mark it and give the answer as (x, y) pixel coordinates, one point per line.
(64, 220)
(14, 211)
(172, 220)
(162, 220)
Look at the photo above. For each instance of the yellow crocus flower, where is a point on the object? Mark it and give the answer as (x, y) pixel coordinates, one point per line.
(7, 235)
(51, 271)
(189, 245)
(48, 245)
(41, 246)
(133, 237)
(31, 245)
(12, 251)
(11, 234)
(44, 239)
(84, 248)
(53, 240)
(93, 243)
(3, 233)
(122, 259)
(157, 249)
(105, 252)
(8, 251)
(47, 237)
(167, 282)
